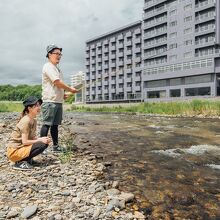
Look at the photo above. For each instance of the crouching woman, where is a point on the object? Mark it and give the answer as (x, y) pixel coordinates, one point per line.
(23, 144)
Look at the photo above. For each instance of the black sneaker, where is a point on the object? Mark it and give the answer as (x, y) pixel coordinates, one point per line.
(58, 149)
(34, 162)
(22, 165)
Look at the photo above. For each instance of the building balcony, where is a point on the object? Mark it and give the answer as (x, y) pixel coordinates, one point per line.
(113, 48)
(93, 77)
(113, 81)
(112, 65)
(129, 61)
(205, 18)
(120, 54)
(154, 12)
(99, 92)
(99, 68)
(128, 80)
(121, 45)
(137, 50)
(137, 88)
(155, 33)
(106, 91)
(128, 34)
(113, 39)
(203, 31)
(99, 60)
(153, 3)
(120, 37)
(128, 52)
(137, 31)
(99, 52)
(99, 44)
(128, 43)
(87, 55)
(129, 89)
(120, 63)
(120, 89)
(112, 56)
(203, 43)
(120, 80)
(205, 5)
(155, 43)
(137, 40)
(155, 23)
(137, 78)
(87, 77)
(93, 92)
(105, 50)
(106, 83)
(106, 58)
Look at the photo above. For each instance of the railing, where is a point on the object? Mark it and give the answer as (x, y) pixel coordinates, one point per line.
(207, 2)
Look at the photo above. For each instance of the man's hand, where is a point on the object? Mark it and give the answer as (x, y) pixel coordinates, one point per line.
(74, 90)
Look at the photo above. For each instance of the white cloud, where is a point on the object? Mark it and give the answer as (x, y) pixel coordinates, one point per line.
(27, 27)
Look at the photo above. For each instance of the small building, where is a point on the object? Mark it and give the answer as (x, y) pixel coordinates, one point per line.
(78, 82)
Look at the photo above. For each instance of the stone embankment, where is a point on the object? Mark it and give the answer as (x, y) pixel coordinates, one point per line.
(56, 190)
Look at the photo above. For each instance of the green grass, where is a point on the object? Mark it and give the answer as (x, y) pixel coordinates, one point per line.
(11, 107)
(188, 108)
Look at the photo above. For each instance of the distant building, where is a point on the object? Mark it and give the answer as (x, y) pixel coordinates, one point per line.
(181, 48)
(173, 53)
(78, 81)
(113, 66)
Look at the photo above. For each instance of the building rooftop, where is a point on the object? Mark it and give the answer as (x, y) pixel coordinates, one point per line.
(114, 31)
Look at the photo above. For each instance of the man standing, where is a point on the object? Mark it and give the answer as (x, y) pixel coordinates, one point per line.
(53, 95)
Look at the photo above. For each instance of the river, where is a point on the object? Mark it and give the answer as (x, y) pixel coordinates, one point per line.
(172, 165)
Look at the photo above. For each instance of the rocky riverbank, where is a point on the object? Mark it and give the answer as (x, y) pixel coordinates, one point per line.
(57, 190)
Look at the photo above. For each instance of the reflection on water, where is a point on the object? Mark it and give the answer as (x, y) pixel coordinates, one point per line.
(171, 164)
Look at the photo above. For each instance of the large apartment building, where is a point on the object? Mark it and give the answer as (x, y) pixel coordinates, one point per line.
(113, 65)
(172, 53)
(181, 48)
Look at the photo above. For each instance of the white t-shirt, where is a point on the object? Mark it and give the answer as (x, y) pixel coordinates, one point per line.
(51, 93)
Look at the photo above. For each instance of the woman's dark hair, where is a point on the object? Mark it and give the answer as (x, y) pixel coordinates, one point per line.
(25, 111)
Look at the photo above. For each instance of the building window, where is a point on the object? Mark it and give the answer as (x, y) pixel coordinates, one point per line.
(172, 46)
(175, 93)
(156, 83)
(173, 57)
(156, 94)
(188, 7)
(173, 12)
(188, 18)
(202, 91)
(173, 35)
(188, 55)
(173, 23)
(187, 30)
(188, 42)
(175, 82)
(198, 79)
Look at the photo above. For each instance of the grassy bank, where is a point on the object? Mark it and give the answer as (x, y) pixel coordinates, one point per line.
(11, 107)
(195, 107)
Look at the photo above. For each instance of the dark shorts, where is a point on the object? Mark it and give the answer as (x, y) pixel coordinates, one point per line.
(52, 113)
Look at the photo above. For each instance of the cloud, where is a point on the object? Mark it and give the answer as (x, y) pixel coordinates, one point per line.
(27, 27)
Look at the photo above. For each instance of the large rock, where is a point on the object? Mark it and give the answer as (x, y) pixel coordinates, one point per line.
(29, 211)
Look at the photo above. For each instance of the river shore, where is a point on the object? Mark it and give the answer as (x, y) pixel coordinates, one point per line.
(56, 190)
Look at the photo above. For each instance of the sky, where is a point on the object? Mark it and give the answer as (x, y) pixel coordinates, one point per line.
(28, 26)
